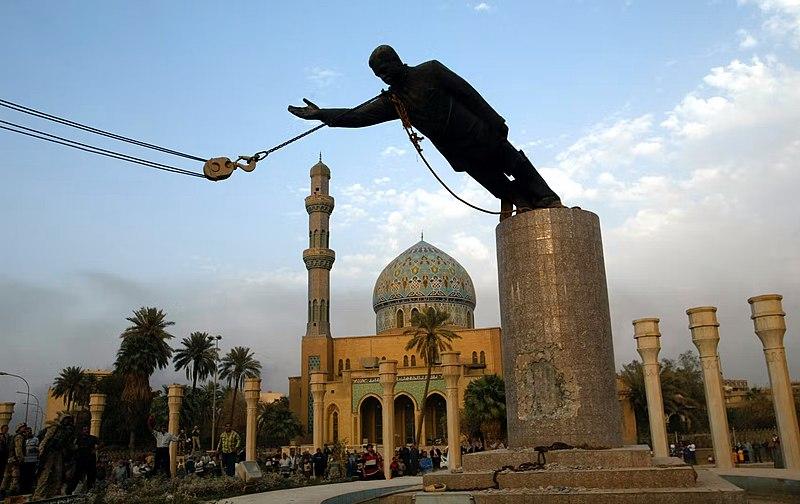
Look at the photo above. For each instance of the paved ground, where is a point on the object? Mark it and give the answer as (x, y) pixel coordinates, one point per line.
(318, 493)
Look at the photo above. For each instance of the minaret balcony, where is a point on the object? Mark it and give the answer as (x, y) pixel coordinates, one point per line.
(319, 258)
(319, 203)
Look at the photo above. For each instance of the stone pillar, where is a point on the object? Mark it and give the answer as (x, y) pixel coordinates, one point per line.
(451, 372)
(387, 369)
(318, 393)
(770, 327)
(174, 401)
(558, 358)
(629, 431)
(648, 344)
(97, 404)
(705, 335)
(252, 393)
(6, 412)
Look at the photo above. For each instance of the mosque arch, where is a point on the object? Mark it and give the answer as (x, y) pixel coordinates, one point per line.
(404, 418)
(400, 320)
(323, 310)
(314, 311)
(332, 422)
(435, 418)
(370, 414)
(405, 361)
(413, 360)
(483, 357)
(347, 363)
(414, 311)
(315, 241)
(340, 367)
(474, 357)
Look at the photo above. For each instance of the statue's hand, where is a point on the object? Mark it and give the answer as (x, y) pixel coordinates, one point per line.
(310, 111)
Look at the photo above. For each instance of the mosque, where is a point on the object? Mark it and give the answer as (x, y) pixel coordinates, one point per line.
(338, 395)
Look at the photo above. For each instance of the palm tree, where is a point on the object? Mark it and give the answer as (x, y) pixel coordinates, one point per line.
(198, 357)
(144, 349)
(239, 363)
(68, 384)
(485, 405)
(277, 424)
(428, 338)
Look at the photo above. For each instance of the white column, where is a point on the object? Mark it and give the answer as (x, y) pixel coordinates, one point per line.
(770, 326)
(451, 372)
(648, 345)
(97, 404)
(174, 401)
(252, 393)
(318, 393)
(388, 376)
(705, 335)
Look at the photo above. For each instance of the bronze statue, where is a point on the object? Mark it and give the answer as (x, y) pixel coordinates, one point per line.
(468, 132)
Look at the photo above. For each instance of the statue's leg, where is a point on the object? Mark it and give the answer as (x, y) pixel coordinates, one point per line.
(527, 181)
(499, 185)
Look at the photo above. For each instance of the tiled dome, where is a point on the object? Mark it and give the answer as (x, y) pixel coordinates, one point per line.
(422, 276)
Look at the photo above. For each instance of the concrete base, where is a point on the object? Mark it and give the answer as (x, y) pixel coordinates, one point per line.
(248, 471)
(620, 475)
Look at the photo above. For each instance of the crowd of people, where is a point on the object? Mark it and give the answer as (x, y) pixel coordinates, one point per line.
(743, 452)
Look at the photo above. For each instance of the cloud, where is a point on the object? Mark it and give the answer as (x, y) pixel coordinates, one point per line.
(746, 40)
(322, 77)
(482, 7)
(783, 19)
(392, 151)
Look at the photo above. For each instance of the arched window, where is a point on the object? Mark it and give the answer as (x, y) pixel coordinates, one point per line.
(383, 358)
(401, 319)
(323, 239)
(347, 363)
(316, 238)
(341, 366)
(335, 426)
(414, 311)
(405, 361)
(474, 357)
(483, 357)
(413, 360)
(310, 239)
(314, 311)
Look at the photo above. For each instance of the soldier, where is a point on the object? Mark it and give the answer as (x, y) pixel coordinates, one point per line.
(16, 456)
(56, 446)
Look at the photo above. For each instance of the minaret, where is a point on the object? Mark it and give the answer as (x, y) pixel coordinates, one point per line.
(318, 257)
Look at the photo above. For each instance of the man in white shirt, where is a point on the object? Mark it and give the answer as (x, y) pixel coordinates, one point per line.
(163, 439)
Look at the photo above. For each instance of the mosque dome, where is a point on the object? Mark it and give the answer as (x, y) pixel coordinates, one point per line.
(422, 276)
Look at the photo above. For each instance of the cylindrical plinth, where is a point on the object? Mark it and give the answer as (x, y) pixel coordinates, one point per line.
(252, 393)
(6, 412)
(770, 327)
(558, 359)
(97, 404)
(648, 344)
(387, 370)
(174, 401)
(705, 335)
(451, 372)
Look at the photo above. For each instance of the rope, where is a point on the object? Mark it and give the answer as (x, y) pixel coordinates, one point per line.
(415, 140)
(95, 150)
(67, 122)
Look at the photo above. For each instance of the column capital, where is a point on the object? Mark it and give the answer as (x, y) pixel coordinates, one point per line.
(175, 394)
(768, 319)
(451, 364)
(97, 403)
(318, 385)
(648, 339)
(387, 370)
(704, 327)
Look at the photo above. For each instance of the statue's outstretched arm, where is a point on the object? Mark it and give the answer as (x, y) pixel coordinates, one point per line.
(468, 96)
(374, 112)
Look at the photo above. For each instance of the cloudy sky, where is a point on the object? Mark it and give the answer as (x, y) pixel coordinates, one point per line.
(677, 122)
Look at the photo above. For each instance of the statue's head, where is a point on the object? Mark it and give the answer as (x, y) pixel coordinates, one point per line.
(387, 65)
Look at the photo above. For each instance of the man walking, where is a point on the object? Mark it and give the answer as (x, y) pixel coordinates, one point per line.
(229, 443)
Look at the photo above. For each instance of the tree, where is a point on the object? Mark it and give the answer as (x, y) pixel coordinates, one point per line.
(277, 424)
(429, 337)
(198, 357)
(69, 384)
(144, 349)
(239, 363)
(485, 406)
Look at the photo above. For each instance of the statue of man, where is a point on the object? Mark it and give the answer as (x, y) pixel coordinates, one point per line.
(468, 132)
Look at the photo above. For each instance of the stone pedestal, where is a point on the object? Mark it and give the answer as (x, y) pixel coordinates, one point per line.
(556, 330)
(451, 372)
(770, 327)
(387, 370)
(705, 335)
(648, 344)
(97, 404)
(318, 395)
(252, 393)
(6, 412)
(174, 401)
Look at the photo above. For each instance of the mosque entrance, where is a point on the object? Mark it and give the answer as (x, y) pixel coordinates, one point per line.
(403, 420)
(435, 419)
(371, 416)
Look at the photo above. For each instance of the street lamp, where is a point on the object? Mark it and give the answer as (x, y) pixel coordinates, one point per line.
(3, 373)
(38, 405)
(215, 339)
